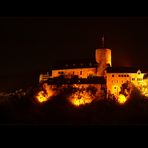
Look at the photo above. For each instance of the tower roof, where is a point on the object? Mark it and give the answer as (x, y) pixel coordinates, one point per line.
(101, 41)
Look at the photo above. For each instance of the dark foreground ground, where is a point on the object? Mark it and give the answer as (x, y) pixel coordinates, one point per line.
(26, 110)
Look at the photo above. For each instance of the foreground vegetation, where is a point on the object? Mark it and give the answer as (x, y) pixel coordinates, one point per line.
(26, 110)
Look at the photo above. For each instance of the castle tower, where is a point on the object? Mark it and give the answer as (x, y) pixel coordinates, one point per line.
(103, 58)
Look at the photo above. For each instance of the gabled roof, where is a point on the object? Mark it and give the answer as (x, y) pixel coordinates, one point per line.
(126, 69)
(79, 63)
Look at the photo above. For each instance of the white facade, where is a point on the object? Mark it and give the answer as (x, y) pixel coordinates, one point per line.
(81, 72)
(114, 81)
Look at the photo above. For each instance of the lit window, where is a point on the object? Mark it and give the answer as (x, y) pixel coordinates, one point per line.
(61, 72)
(139, 79)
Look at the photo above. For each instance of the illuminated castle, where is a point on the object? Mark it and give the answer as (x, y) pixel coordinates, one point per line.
(100, 70)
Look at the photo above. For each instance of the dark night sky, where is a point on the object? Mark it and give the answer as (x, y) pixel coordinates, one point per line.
(30, 44)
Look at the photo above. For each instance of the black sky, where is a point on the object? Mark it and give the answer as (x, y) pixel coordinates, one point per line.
(30, 44)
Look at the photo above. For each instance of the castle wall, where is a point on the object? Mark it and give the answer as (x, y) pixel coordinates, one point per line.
(43, 77)
(81, 72)
(115, 81)
(103, 58)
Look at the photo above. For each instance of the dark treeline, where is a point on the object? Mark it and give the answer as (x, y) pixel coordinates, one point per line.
(58, 110)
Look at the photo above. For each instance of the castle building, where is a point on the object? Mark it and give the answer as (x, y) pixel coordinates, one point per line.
(99, 67)
(116, 76)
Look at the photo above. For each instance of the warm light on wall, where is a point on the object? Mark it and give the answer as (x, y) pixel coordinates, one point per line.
(115, 90)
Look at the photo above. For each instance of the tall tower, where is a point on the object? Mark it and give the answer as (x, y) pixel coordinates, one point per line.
(103, 58)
